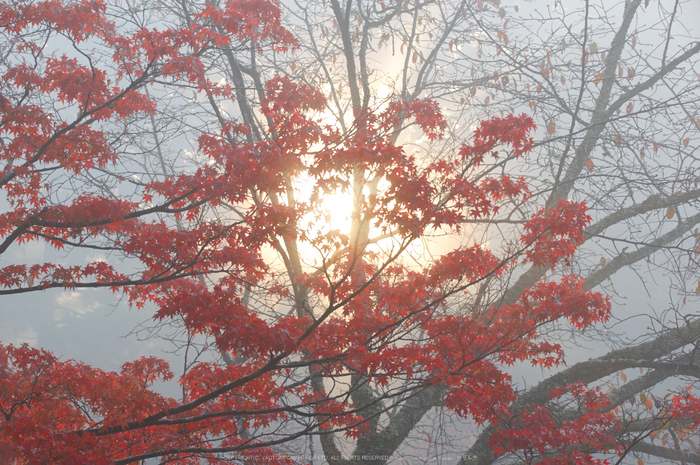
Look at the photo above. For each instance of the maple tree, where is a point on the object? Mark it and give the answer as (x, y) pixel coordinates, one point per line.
(346, 334)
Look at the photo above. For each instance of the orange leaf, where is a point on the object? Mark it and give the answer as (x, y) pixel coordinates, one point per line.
(623, 377)
(686, 141)
(629, 108)
(551, 127)
(598, 78)
(670, 212)
(589, 164)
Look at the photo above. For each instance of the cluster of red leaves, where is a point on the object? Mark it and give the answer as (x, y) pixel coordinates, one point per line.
(426, 114)
(464, 353)
(538, 436)
(44, 402)
(46, 275)
(490, 134)
(35, 140)
(59, 411)
(555, 233)
(413, 197)
(686, 406)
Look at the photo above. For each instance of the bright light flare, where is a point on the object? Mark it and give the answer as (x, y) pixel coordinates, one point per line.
(337, 210)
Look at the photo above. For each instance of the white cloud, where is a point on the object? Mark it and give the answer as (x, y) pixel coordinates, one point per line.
(76, 303)
(27, 336)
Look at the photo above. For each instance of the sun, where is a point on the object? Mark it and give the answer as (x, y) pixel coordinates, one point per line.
(337, 211)
(326, 225)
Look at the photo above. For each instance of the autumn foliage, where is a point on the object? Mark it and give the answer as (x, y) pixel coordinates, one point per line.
(359, 312)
